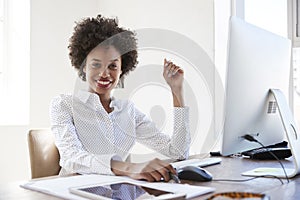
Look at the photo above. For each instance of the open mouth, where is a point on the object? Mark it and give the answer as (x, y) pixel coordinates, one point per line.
(103, 83)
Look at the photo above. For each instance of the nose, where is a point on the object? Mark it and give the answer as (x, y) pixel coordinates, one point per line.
(104, 73)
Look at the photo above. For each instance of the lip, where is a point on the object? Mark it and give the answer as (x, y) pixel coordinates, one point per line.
(103, 83)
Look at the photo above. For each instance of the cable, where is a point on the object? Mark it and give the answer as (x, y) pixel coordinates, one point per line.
(249, 179)
(252, 139)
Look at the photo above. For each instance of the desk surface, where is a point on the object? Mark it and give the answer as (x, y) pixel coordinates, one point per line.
(230, 168)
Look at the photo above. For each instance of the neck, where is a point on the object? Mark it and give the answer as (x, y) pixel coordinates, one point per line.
(105, 101)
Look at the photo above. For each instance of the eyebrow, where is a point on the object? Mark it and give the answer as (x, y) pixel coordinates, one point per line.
(95, 59)
(114, 60)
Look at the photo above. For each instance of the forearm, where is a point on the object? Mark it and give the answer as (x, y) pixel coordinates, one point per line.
(154, 170)
(178, 100)
(120, 168)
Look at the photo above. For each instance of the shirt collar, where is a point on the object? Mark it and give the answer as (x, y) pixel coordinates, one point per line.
(85, 96)
(116, 104)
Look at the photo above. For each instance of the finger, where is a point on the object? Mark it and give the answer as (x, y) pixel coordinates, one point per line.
(164, 168)
(165, 174)
(175, 70)
(167, 170)
(166, 67)
(151, 175)
(147, 177)
(171, 68)
(156, 175)
(171, 169)
(166, 63)
(174, 67)
(180, 71)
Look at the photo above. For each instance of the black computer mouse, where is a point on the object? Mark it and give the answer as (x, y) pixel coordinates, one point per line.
(194, 173)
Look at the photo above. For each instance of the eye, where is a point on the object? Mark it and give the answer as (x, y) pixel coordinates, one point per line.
(113, 66)
(95, 65)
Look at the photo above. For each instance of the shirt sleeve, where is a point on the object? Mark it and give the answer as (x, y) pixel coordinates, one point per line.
(177, 146)
(73, 157)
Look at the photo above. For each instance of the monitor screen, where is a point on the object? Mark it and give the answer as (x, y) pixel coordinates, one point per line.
(258, 60)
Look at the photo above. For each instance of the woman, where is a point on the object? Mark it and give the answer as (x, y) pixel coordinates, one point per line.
(94, 131)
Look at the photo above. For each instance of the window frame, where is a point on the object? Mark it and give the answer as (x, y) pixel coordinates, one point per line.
(3, 42)
(292, 22)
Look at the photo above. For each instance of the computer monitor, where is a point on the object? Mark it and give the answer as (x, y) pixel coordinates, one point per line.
(258, 60)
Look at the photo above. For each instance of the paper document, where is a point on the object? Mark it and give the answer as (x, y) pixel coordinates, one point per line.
(59, 186)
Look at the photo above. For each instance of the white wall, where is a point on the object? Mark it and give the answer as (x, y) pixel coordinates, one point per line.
(52, 22)
(193, 19)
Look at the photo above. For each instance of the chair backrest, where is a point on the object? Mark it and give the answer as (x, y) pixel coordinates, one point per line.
(44, 156)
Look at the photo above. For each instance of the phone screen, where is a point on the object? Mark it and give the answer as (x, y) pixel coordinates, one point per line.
(124, 191)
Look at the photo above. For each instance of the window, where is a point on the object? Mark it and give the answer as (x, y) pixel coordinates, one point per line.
(268, 14)
(294, 20)
(2, 44)
(294, 34)
(14, 62)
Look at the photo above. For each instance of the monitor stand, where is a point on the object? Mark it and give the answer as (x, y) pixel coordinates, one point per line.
(292, 134)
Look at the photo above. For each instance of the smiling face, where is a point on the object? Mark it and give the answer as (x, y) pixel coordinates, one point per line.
(103, 70)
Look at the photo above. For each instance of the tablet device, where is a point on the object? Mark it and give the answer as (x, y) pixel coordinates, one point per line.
(124, 190)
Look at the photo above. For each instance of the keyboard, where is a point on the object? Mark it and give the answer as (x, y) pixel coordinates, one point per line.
(201, 162)
(264, 153)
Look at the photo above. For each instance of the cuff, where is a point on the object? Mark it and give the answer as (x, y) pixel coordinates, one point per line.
(102, 164)
(181, 115)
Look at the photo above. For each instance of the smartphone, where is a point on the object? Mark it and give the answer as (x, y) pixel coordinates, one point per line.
(124, 190)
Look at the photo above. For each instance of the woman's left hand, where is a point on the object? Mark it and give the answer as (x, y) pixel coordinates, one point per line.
(173, 75)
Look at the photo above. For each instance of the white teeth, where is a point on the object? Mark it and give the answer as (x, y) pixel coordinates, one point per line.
(103, 82)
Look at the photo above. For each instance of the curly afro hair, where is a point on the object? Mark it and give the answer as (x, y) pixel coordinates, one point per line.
(91, 32)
